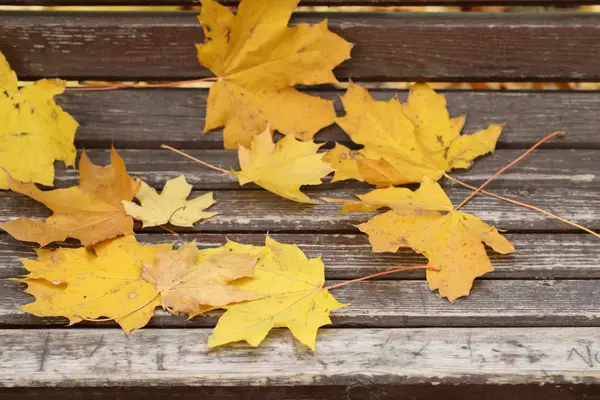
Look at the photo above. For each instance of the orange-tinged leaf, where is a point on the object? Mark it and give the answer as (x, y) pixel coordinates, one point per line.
(83, 284)
(282, 167)
(90, 212)
(186, 286)
(259, 60)
(425, 221)
(34, 131)
(404, 143)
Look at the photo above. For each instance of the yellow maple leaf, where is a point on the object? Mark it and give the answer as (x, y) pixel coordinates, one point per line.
(403, 143)
(294, 297)
(282, 167)
(259, 60)
(90, 212)
(82, 284)
(34, 131)
(170, 206)
(186, 286)
(425, 221)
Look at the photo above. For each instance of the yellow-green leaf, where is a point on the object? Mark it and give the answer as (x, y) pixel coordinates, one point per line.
(294, 297)
(282, 167)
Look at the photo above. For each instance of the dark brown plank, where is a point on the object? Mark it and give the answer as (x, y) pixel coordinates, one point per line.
(394, 304)
(145, 119)
(538, 256)
(542, 168)
(331, 3)
(260, 211)
(390, 46)
(361, 388)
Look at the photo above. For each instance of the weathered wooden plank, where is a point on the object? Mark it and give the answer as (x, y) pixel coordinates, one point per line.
(141, 118)
(543, 168)
(390, 46)
(405, 303)
(107, 357)
(261, 211)
(538, 256)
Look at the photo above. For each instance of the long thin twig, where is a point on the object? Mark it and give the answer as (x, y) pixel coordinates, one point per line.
(118, 86)
(525, 205)
(164, 146)
(364, 278)
(474, 193)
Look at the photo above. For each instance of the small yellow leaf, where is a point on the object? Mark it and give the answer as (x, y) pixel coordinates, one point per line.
(34, 131)
(170, 206)
(186, 286)
(91, 212)
(259, 60)
(294, 297)
(282, 167)
(105, 282)
(404, 143)
(425, 221)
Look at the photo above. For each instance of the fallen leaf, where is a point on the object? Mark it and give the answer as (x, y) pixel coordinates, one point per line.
(186, 286)
(259, 60)
(294, 297)
(34, 131)
(344, 162)
(282, 167)
(81, 284)
(170, 206)
(425, 221)
(403, 143)
(90, 212)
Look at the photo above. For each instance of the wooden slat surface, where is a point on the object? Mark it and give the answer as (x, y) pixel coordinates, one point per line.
(479, 47)
(261, 211)
(543, 168)
(147, 118)
(344, 357)
(405, 303)
(538, 256)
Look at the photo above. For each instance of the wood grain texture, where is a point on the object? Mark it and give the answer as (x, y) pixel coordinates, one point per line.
(407, 303)
(260, 211)
(543, 168)
(106, 357)
(390, 46)
(148, 118)
(538, 256)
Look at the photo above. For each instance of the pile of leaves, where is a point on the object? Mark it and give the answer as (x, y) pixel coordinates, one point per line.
(258, 60)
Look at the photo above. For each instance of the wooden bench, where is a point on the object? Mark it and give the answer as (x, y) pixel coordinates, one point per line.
(529, 330)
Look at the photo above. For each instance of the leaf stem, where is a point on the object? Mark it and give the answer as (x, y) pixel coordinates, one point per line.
(118, 86)
(474, 193)
(364, 278)
(164, 146)
(168, 230)
(525, 205)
